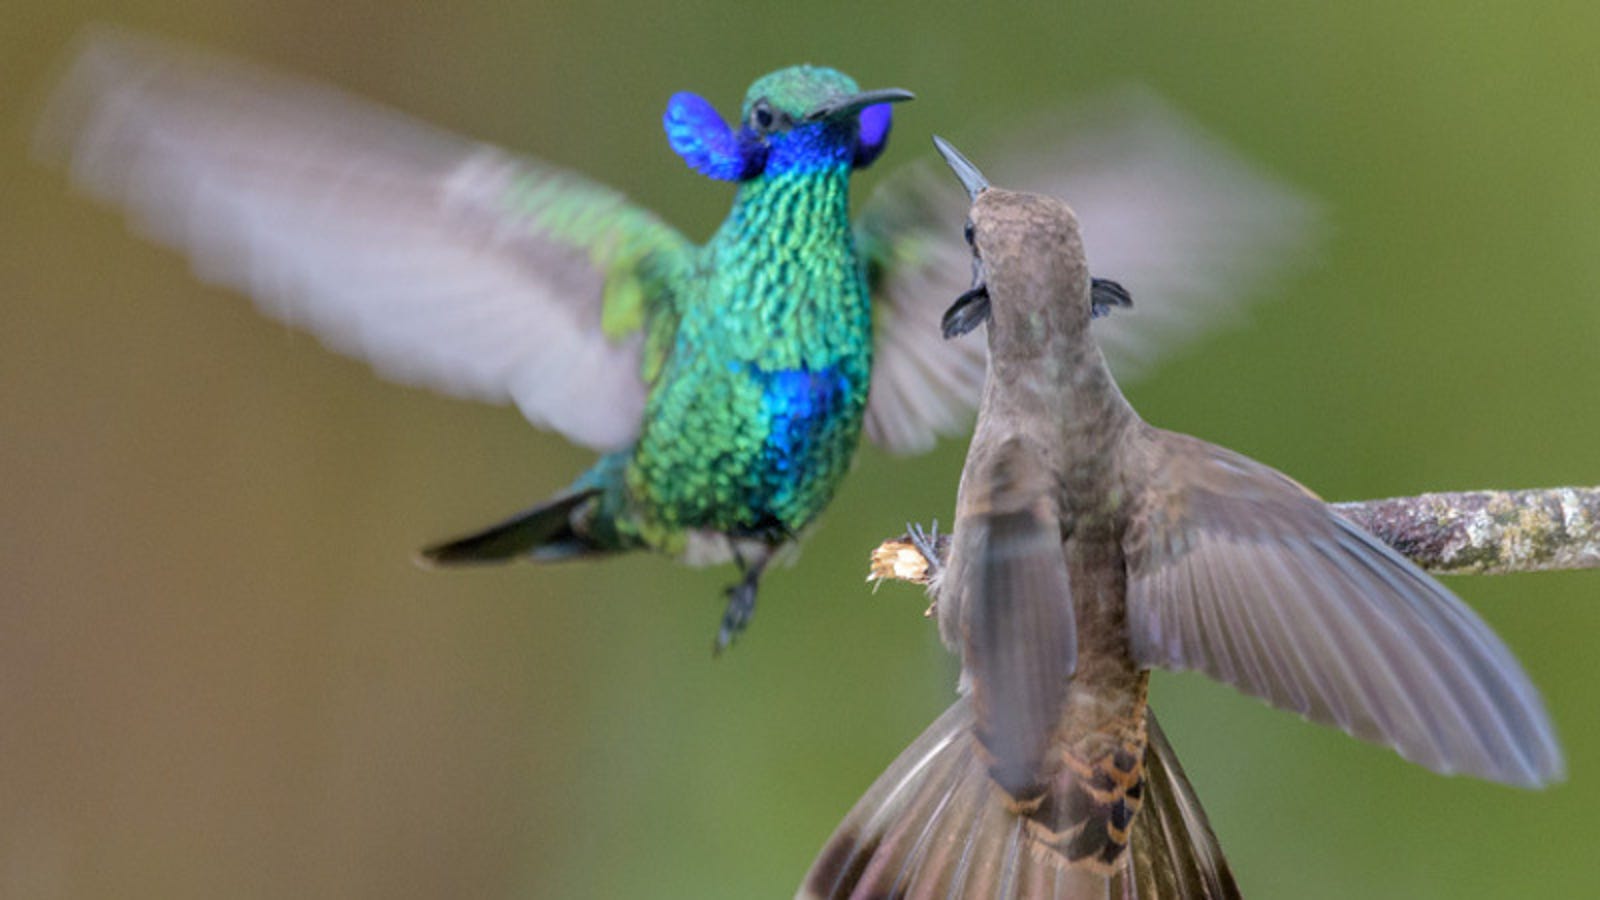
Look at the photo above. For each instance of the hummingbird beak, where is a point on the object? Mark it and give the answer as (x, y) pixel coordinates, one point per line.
(971, 178)
(970, 308)
(850, 104)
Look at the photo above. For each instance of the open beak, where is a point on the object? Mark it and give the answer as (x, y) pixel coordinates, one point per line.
(851, 104)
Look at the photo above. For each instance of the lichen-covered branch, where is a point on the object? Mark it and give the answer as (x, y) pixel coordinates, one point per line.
(1466, 532)
(1488, 532)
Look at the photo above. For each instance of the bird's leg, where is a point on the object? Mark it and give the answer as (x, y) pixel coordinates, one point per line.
(927, 543)
(918, 557)
(741, 598)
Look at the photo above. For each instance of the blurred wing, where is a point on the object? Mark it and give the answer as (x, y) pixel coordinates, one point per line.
(934, 825)
(1190, 229)
(1238, 572)
(1019, 637)
(923, 386)
(441, 261)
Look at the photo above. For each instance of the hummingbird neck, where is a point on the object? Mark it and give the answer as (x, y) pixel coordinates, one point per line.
(792, 219)
(801, 199)
(785, 281)
(811, 148)
(797, 191)
(1067, 381)
(1061, 390)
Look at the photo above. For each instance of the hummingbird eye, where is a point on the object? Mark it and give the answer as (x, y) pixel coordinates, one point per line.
(761, 116)
(966, 232)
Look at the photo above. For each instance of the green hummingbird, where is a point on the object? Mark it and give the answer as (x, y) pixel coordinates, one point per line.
(1090, 547)
(725, 384)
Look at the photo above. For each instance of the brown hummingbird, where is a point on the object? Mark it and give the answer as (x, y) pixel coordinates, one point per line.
(1090, 547)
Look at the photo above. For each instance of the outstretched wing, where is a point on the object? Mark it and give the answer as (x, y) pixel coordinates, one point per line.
(439, 260)
(1238, 572)
(1186, 226)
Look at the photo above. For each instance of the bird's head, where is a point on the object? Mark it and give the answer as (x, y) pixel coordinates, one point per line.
(1026, 250)
(793, 119)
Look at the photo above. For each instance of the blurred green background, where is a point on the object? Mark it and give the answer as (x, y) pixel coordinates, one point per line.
(221, 675)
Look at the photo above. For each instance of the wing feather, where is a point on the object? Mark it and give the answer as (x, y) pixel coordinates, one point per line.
(441, 261)
(1239, 572)
(1191, 230)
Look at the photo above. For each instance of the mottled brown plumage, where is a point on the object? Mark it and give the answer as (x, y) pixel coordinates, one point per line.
(1090, 547)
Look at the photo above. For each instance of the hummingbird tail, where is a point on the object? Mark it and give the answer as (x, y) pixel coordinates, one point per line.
(936, 824)
(543, 533)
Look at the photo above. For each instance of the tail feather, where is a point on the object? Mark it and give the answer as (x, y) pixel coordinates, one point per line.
(936, 825)
(1181, 856)
(544, 532)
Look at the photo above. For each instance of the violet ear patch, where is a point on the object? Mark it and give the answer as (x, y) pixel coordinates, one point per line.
(704, 141)
(873, 134)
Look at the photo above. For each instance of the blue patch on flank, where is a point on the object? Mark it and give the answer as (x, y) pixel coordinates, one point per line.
(798, 404)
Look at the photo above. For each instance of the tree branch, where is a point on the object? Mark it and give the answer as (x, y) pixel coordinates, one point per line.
(1488, 532)
(1461, 533)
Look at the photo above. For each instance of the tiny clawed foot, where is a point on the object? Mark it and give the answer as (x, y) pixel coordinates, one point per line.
(741, 606)
(927, 543)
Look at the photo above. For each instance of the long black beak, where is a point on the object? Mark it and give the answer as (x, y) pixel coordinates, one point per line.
(971, 178)
(851, 104)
